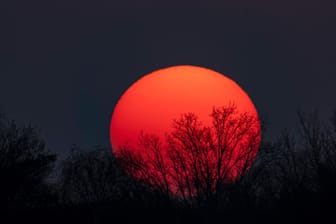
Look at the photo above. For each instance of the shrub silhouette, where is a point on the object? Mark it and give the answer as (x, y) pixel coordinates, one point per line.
(24, 164)
(93, 176)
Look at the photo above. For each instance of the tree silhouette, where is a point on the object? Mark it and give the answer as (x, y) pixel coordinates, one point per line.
(93, 176)
(195, 161)
(198, 172)
(24, 165)
(298, 171)
(88, 177)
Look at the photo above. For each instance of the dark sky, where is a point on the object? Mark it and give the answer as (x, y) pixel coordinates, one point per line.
(63, 65)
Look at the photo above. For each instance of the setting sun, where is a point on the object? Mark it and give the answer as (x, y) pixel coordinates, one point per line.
(152, 102)
(178, 119)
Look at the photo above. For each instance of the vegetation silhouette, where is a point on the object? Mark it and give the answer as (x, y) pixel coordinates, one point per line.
(292, 179)
(24, 164)
(195, 161)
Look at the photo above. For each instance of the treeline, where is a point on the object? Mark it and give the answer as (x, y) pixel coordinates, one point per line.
(292, 179)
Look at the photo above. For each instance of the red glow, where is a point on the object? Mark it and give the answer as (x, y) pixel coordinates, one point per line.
(154, 101)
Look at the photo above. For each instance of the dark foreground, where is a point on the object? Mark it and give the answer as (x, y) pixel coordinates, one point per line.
(94, 214)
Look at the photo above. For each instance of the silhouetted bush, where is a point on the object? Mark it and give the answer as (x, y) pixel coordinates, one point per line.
(24, 165)
(94, 177)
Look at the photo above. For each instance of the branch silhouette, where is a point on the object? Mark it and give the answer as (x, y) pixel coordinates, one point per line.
(195, 160)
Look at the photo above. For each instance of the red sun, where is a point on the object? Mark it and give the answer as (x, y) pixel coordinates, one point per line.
(152, 103)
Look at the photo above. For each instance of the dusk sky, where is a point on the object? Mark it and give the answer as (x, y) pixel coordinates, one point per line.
(64, 65)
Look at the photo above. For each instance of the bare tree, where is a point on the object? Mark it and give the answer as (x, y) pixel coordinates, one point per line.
(300, 167)
(196, 160)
